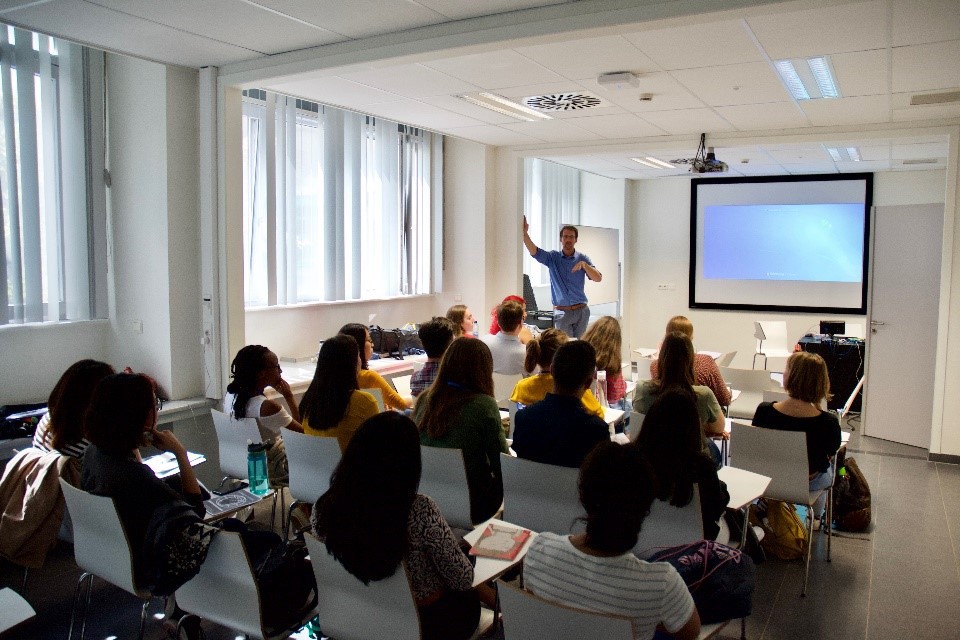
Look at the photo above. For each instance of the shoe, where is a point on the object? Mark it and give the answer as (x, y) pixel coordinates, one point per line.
(300, 519)
(759, 532)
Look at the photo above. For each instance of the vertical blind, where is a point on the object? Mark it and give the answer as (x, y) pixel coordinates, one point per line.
(551, 195)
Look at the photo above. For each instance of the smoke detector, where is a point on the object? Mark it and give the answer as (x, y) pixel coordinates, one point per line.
(618, 80)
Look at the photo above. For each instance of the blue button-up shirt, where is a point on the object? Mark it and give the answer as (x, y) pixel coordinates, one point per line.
(566, 286)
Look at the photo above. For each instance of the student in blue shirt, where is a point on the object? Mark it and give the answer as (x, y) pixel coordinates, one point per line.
(568, 268)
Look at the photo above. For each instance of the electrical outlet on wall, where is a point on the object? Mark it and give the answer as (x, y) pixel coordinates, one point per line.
(666, 286)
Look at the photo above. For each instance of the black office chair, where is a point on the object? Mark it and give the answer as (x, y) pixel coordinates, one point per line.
(539, 318)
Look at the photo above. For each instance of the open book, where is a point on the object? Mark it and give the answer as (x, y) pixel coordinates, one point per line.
(500, 541)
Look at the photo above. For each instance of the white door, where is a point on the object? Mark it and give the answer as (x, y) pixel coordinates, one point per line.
(902, 339)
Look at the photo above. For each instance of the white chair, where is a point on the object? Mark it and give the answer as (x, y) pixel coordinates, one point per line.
(225, 592)
(351, 610)
(774, 333)
(670, 526)
(540, 497)
(775, 396)
(854, 330)
(782, 455)
(101, 548)
(14, 610)
(751, 383)
(503, 384)
(636, 423)
(311, 460)
(402, 385)
(512, 413)
(726, 359)
(232, 437)
(444, 478)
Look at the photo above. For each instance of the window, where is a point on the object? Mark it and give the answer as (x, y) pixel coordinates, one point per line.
(551, 194)
(51, 256)
(337, 205)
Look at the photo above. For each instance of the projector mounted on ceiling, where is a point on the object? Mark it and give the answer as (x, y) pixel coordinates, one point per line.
(705, 160)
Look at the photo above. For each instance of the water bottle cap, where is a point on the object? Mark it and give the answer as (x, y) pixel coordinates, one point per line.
(255, 447)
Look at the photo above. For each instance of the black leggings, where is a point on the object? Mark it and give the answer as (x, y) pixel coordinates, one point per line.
(453, 617)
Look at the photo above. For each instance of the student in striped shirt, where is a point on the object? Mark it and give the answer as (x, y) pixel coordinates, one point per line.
(61, 429)
(596, 570)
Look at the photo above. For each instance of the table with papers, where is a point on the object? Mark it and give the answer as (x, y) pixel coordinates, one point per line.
(487, 569)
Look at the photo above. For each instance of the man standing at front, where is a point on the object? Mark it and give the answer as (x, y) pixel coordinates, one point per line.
(568, 268)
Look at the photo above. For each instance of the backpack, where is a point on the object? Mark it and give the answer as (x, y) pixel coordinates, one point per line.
(785, 537)
(720, 579)
(851, 497)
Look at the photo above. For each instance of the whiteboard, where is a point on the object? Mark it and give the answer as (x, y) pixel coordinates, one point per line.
(602, 246)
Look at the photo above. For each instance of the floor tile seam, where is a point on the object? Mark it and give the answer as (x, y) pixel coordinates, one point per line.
(888, 454)
(950, 532)
(873, 555)
(773, 605)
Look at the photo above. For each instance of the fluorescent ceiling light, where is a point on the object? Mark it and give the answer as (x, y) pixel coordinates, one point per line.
(654, 163)
(502, 105)
(844, 154)
(808, 78)
(854, 153)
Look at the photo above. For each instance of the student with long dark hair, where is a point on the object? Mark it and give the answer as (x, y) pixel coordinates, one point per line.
(368, 379)
(61, 429)
(375, 523)
(334, 406)
(459, 412)
(670, 440)
(597, 570)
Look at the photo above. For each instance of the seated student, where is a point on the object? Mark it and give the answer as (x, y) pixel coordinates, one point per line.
(705, 369)
(670, 440)
(525, 334)
(505, 347)
(61, 428)
(605, 336)
(806, 381)
(371, 379)
(253, 370)
(558, 430)
(540, 352)
(375, 523)
(459, 412)
(462, 319)
(597, 570)
(333, 405)
(436, 335)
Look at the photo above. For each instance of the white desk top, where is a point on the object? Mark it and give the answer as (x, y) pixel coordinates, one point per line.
(490, 568)
(744, 486)
(13, 609)
(611, 415)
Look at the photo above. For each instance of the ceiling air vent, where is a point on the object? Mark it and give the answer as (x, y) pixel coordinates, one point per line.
(920, 161)
(935, 98)
(563, 101)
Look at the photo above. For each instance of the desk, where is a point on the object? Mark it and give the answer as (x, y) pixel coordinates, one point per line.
(300, 374)
(744, 487)
(490, 568)
(844, 364)
(13, 609)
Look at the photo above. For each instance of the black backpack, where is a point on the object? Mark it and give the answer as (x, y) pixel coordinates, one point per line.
(851, 497)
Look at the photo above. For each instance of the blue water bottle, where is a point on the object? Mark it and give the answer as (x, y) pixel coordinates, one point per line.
(257, 467)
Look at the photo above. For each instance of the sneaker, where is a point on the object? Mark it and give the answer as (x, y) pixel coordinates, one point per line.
(300, 518)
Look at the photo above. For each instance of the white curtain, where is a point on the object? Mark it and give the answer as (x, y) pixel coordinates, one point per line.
(551, 199)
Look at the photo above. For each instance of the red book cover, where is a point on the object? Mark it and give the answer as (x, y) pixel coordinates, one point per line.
(500, 542)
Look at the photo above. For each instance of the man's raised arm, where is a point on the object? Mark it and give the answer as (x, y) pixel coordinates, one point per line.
(531, 247)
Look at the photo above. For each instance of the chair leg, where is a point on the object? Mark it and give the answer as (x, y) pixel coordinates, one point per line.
(806, 573)
(829, 521)
(143, 618)
(286, 531)
(743, 628)
(76, 602)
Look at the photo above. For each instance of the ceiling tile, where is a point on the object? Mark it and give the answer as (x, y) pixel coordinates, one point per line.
(492, 135)
(913, 151)
(421, 114)
(411, 81)
(923, 21)
(822, 30)
(667, 94)
(824, 167)
(552, 131)
(925, 166)
(873, 153)
(685, 47)
(332, 90)
(752, 169)
(238, 23)
(903, 111)
(456, 105)
(736, 155)
(840, 111)
(866, 165)
(379, 16)
(496, 70)
(926, 67)
(861, 73)
(687, 121)
(619, 126)
(459, 9)
(749, 83)
(759, 117)
(799, 154)
(583, 59)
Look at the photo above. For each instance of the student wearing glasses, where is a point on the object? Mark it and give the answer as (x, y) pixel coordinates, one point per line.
(371, 379)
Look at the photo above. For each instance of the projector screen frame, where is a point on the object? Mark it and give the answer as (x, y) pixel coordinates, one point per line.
(868, 211)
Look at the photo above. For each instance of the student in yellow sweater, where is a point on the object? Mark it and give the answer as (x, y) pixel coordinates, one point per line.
(371, 379)
(334, 406)
(540, 352)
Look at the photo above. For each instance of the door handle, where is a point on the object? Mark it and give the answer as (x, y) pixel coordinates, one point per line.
(874, 324)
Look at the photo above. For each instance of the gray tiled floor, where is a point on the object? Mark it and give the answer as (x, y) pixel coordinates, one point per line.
(900, 580)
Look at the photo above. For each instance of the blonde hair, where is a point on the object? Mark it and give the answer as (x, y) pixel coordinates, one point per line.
(540, 350)
(806, 378)
(681, 324)
(604, 335)
(456, 314)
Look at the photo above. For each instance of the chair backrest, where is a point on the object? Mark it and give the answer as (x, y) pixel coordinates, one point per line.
(100, 543)
(726, 359)
(749, 379)
(530, 617)
(444, 478)
(529, 299)
(378, 396)
(232, 438)
(224, 591)
(854, 329)
(512, 411)
(782, 455)
(351, 610)
(670, 526)
(503, 384)
(775, 396)
(311, 460)
(772, 332)
(402, 385)
(636, 423)
(540, 497)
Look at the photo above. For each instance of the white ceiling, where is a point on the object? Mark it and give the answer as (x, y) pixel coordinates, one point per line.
(708, 73)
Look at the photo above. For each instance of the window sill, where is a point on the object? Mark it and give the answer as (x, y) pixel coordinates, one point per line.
(53, 326)
(330, 303)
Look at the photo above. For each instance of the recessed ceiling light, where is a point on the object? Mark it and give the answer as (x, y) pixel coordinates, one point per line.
(654, 163)
(808, 78)
(844, 154)
(504, 106)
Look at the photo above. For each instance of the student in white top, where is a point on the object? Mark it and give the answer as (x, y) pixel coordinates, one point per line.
(596, 570)
(505, 347)
(254, 369)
